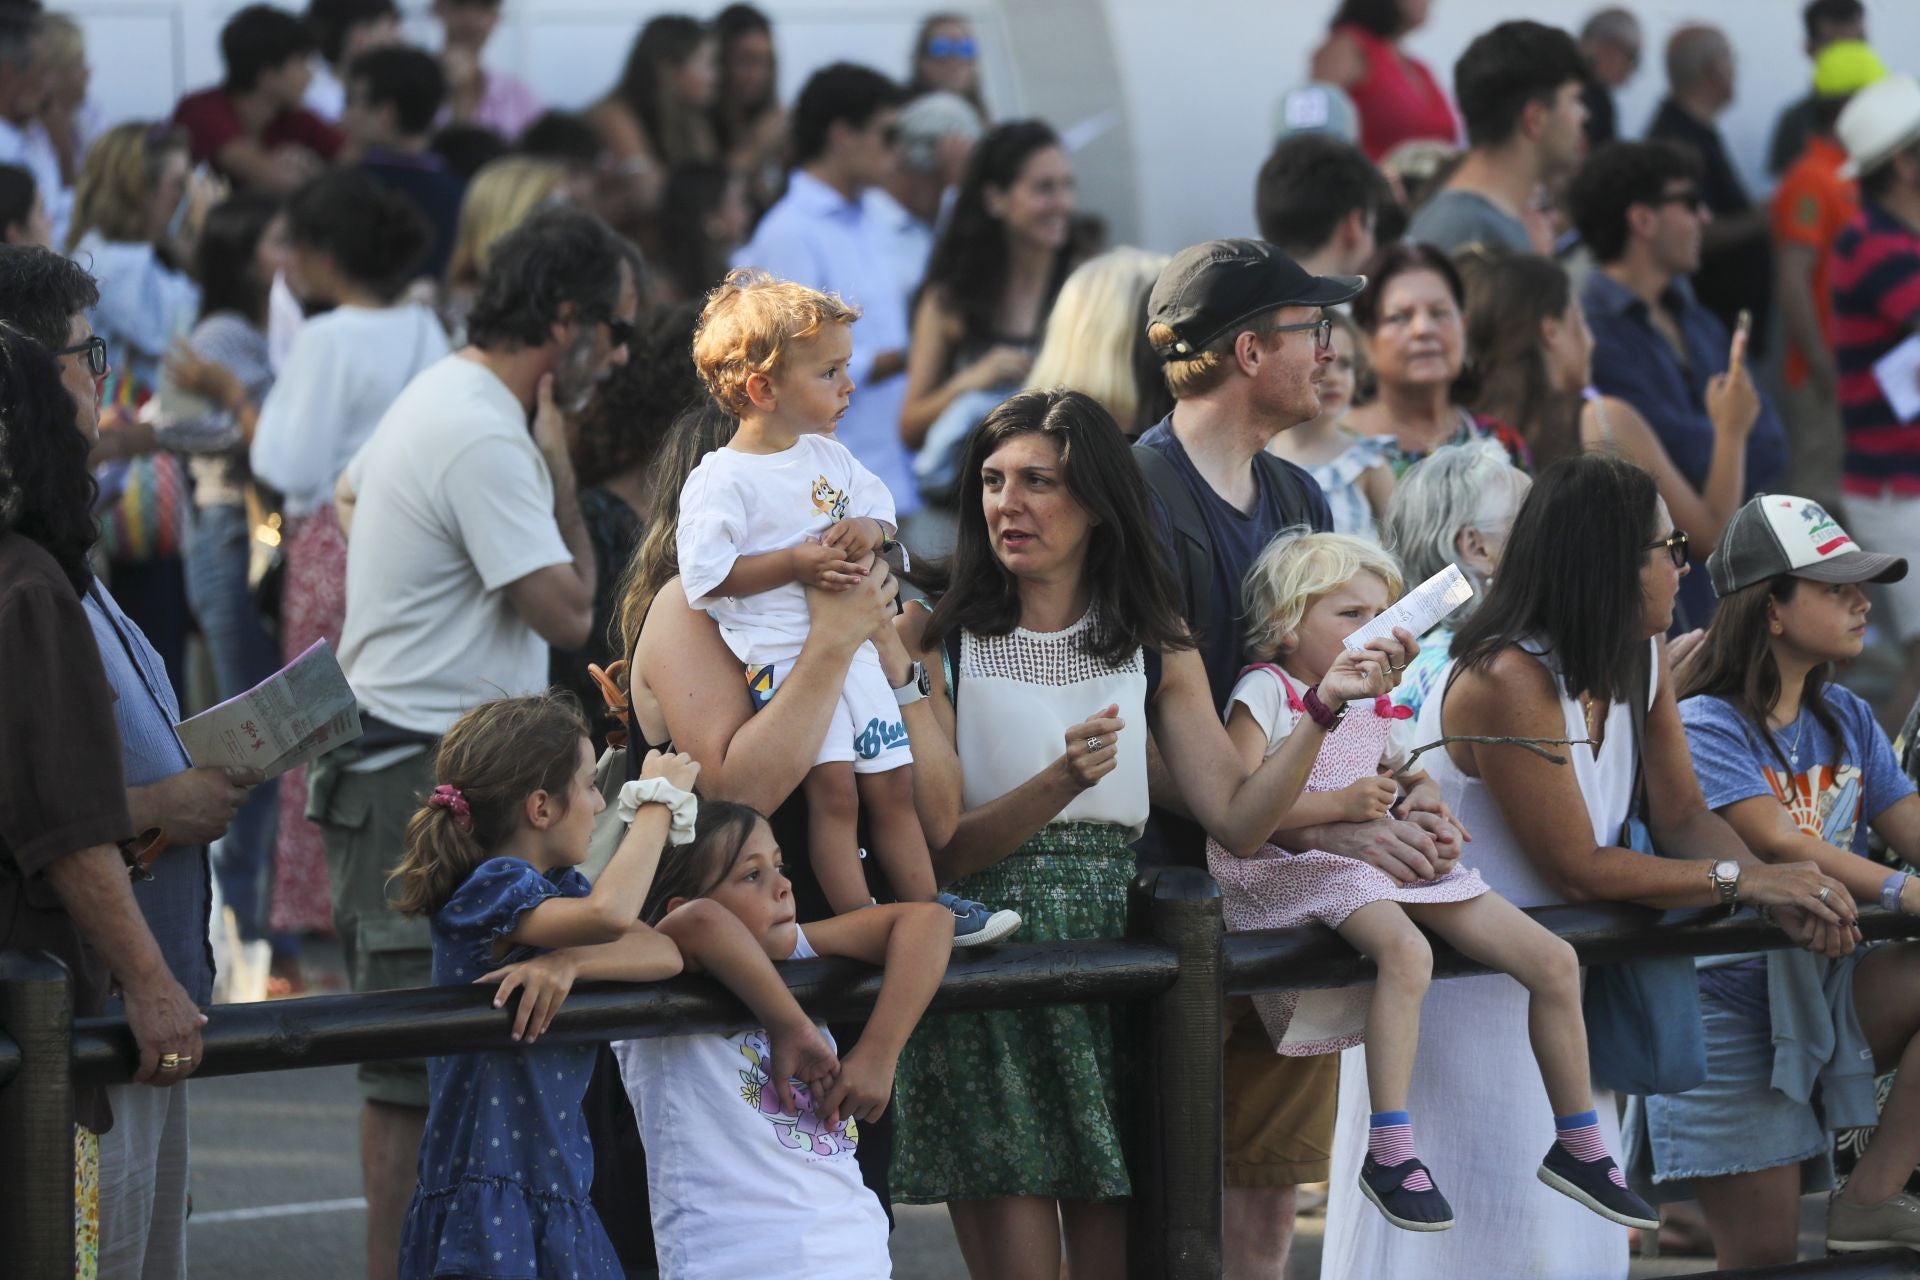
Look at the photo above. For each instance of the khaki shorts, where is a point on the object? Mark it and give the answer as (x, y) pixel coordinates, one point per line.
(363, 817)
(1278, 1118)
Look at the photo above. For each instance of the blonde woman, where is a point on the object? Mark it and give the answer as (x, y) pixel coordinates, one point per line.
(126, 232)
(498, 199)
(1093, 329)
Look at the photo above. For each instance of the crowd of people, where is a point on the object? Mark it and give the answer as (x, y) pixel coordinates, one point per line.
(758, 530)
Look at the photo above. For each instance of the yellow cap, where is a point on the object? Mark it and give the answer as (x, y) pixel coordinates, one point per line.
(1845, 67)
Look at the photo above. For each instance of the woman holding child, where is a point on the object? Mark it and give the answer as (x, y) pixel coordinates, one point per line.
(1054, 650)
(1566, 635)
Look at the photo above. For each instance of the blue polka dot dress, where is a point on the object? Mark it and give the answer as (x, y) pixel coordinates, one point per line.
(505, 1166)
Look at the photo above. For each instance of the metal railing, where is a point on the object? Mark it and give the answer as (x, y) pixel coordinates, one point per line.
(1177, 962)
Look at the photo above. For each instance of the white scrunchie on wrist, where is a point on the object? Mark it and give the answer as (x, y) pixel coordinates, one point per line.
(645, 791)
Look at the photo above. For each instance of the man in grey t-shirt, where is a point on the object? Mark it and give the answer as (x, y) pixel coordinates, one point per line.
(1519, 89)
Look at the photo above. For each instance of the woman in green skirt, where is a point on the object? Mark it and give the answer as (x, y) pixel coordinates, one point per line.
(1056, 647)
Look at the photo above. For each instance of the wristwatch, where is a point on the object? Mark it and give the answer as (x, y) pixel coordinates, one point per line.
(1725, 875)
(919, 684)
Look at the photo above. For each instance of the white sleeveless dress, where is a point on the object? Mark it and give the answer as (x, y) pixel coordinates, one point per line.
(1481, 1119)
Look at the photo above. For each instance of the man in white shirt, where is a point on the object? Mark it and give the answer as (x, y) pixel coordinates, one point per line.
(821, 234)
(466, 558)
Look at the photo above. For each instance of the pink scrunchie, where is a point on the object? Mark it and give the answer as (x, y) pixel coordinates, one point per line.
(446, 796)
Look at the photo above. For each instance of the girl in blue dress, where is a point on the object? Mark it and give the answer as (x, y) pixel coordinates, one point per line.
(505, 1165)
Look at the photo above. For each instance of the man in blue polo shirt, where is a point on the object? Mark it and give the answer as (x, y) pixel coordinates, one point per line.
(1641, 210)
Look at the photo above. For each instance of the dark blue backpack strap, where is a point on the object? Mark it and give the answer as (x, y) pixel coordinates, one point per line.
(1151, 659)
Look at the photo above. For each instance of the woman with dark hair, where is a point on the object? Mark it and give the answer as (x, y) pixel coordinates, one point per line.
(209, 398)
(656, 116)
(704, 217)
(1057, 646)
(748, 121)
(1566, 638)
(990, 283)
(354, 246)
(946, 59)
(616, 442)
(1395, 94)
(23, 214)
(1528, 338)
(1412, 321)
(1801, 771)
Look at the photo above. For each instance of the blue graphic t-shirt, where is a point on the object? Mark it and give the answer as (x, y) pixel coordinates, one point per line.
(1834, 788)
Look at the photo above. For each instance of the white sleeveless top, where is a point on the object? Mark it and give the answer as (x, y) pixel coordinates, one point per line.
(1478, 1105)
(1017, 696)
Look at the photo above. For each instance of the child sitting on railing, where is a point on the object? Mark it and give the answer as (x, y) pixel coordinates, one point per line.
(1305, 595)
(505, 1166)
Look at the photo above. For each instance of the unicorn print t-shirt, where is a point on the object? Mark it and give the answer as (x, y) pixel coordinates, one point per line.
(740, 1188)
(747, 504)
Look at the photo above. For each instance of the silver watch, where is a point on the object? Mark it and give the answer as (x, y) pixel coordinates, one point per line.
(1725, 875)
(919, 684)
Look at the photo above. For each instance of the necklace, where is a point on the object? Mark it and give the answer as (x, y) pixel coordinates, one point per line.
(1793, 748)
(1588, 706)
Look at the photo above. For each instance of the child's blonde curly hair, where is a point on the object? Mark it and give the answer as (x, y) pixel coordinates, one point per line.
(1297, 568)
(748, 324)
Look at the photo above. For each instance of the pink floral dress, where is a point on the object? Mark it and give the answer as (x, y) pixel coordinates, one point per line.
(1275, 889)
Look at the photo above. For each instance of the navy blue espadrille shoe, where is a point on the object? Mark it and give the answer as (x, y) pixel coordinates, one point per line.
(1385, 1185)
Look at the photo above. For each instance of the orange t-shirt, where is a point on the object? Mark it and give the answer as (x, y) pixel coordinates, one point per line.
(1812, 205)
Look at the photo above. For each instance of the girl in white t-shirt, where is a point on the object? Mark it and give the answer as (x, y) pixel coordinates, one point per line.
(784, 507)
(1305, 595)
(751, 1174)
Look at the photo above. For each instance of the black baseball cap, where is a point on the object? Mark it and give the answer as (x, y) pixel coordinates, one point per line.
(1776, 533)
(1209, 288)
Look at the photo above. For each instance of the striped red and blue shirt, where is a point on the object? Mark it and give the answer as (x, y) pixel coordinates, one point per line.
(1875, 275)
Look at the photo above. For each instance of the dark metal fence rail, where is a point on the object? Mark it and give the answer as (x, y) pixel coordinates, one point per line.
(1175, 969)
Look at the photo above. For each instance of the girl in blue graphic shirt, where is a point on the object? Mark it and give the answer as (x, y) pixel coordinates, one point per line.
(1800, 770)
(493, 856)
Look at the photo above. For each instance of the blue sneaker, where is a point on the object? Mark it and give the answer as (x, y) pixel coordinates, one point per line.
(1593, 1183)
(1410, 1210)
(974, 923)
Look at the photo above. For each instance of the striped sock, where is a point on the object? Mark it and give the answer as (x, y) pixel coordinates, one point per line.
(1390, 1143)
(1580, 1135)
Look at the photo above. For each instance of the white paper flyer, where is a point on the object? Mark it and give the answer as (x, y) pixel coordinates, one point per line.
(301, 712)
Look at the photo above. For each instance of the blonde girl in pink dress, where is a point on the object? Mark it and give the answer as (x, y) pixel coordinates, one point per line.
(1305, 595)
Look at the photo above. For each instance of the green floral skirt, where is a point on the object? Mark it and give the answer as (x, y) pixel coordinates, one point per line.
(1025, 1102)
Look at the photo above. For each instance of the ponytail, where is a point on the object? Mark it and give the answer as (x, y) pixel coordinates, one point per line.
(493, 758)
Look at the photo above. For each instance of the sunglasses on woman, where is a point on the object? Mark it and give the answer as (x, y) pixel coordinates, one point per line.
(952, 47)
(1676, 545)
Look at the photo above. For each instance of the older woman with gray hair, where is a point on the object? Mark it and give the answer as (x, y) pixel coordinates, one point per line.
(1454, 507)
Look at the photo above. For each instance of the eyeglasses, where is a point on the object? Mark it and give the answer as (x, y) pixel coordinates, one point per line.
(96, 349)
(963, 47)
(1322, 331)
(619, 332)
(1691, 198)
(1676, 545)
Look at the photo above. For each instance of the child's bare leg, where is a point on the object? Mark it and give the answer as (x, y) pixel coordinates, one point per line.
(1382, 931)
(899, 842)
(833, 835)
(1495, 932)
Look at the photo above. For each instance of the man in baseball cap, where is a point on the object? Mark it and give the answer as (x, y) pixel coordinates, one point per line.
(1776, 535)
(1243, 336)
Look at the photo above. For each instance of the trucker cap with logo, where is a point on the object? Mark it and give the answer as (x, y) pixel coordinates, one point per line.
(1776, 533)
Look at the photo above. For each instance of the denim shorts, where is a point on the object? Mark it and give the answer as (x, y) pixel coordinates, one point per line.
(1735, 1122)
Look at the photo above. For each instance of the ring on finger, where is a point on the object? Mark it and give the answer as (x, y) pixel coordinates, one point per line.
(1826, 891)
(1094, 744)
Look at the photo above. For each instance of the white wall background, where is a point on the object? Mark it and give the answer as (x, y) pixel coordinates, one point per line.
(1177, 98)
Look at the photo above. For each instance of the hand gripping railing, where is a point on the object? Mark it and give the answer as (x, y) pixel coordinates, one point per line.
(1177, 964)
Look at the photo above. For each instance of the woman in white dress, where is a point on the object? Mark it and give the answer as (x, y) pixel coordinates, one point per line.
(1586, 589)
